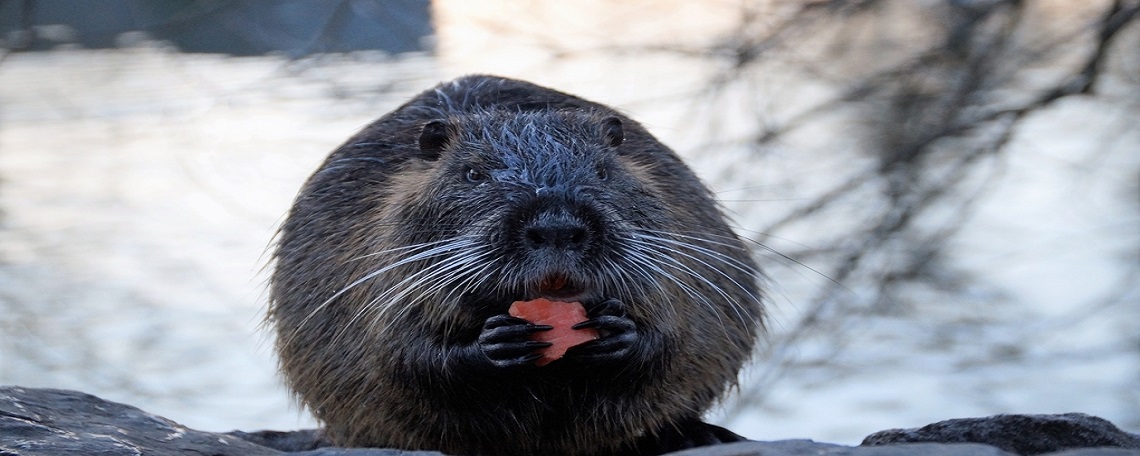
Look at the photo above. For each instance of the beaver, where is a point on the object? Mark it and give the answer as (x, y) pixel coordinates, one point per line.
(401, 254)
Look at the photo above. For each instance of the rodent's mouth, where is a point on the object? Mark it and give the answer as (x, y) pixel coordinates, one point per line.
(552, 285)
(558, 286)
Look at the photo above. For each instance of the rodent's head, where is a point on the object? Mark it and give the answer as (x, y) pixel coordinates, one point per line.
(524, 205)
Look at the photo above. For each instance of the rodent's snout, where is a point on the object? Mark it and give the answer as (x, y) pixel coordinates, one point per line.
(553, 226)
(556, 231)
(557, 245)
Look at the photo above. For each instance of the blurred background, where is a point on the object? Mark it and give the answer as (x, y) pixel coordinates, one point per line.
(945, 194)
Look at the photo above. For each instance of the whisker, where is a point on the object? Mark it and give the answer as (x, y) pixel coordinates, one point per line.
(669, 256)
(398, 293)
(736, 264)
(440, 248)
(640, 257)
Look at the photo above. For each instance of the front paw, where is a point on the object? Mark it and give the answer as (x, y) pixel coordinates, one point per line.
(506, 341)
(618, 334)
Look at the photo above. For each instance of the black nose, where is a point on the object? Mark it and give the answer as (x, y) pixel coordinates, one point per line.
(557, 232)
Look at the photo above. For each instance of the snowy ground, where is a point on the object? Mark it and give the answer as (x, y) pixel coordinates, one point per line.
(140, 189)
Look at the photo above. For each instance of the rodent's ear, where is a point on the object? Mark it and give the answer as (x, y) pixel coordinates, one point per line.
(434, 138)
(612, 133)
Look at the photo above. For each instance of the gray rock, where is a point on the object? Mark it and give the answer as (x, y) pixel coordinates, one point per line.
(1019, 434)
(808, 447)
(53, 422)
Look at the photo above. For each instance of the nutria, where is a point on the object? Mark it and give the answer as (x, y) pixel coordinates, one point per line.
(400, 256)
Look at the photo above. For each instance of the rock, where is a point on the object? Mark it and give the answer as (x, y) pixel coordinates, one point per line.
(1019, 434)
(809, 447)
(288, 441)
(52, 422)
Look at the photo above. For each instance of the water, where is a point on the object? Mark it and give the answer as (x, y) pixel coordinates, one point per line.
(141, 192)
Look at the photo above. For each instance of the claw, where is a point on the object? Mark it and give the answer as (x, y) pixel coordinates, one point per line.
(591, 323)
(619, 334)
(506, 343)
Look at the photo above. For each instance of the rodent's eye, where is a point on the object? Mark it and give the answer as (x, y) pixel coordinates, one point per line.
(475, 176)
(603, 171)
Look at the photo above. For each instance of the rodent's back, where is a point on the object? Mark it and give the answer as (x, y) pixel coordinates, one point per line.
(401, 253)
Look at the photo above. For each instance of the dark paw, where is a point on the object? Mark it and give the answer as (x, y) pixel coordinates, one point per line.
(505, 341)
(618, 334)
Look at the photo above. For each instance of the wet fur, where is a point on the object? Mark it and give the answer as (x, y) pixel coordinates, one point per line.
(392, 260)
